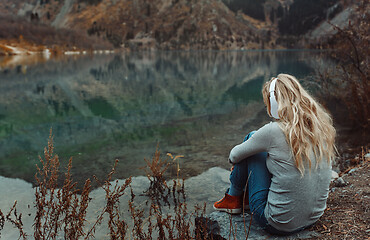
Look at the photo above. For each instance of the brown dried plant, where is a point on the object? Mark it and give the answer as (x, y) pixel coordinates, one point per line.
(58, 209)
(158, 189)
(174, 158)
(116, 225)
(62, 212)
(180, 222)
(15, 219)
(2, 221)
(137, 216)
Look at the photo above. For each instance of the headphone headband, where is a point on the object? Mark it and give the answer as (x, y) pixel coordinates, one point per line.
(272, 85)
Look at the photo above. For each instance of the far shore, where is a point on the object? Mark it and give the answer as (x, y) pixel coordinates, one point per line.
(13, 54)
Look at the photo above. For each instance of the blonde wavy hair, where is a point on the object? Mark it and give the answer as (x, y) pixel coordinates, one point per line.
(307, 127)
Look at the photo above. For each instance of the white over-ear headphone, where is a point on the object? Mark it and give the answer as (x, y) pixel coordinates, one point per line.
(273, 103)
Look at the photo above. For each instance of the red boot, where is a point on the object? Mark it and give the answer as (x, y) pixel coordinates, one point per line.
(229, 204)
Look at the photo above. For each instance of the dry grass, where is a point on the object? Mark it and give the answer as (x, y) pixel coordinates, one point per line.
(158, 190)
(61, 212)
(58, 209)
(15, 219)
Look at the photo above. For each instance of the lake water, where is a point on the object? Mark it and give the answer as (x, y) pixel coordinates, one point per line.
(107, 107)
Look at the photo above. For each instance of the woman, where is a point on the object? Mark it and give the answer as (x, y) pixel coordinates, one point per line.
(286, 164)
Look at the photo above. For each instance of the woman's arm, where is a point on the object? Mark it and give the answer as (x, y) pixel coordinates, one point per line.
(259, 142)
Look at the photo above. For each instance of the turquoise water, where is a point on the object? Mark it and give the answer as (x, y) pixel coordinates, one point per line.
(107, 107)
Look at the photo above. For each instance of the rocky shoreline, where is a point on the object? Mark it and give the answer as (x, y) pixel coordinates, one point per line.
(347, 203)
(26, 49)
(16, 54)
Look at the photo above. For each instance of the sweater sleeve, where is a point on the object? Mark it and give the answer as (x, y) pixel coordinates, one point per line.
(259, 142)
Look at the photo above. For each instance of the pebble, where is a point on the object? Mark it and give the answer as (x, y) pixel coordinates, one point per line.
(352, 170)
(339, 182)
(346, 155)
(334, 175)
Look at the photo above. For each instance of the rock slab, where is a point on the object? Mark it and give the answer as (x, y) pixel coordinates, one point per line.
(237, 227)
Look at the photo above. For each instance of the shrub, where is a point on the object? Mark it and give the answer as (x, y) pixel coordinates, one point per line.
(349, 81)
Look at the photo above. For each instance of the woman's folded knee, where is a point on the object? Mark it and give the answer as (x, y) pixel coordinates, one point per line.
(248, 136)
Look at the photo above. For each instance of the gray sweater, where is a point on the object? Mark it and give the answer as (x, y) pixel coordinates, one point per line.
(293, 201)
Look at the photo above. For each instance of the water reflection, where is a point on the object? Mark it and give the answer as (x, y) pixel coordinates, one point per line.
(107, 107)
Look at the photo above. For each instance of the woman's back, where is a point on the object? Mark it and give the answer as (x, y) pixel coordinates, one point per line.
(294, 200)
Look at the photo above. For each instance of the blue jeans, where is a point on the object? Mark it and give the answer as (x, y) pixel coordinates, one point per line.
(253, 172)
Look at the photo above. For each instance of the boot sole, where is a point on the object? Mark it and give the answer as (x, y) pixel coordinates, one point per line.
(231, 211)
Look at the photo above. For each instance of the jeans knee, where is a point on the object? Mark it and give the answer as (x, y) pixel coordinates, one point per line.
(239, 175)
(248, 136)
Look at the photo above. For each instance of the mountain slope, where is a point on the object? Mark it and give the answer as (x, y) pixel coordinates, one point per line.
(156, 24)
(183, 24)
(61, 17)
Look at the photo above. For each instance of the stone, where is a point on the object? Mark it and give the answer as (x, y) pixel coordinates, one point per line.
(334, 175)
(206, 228)
(352, 170)
(339, 182)
(241, 226)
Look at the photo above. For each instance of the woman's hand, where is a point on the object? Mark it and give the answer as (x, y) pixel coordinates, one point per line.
(232, 167)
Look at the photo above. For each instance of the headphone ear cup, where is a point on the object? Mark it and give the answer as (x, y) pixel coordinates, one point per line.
(273, 106)
(273, 103)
